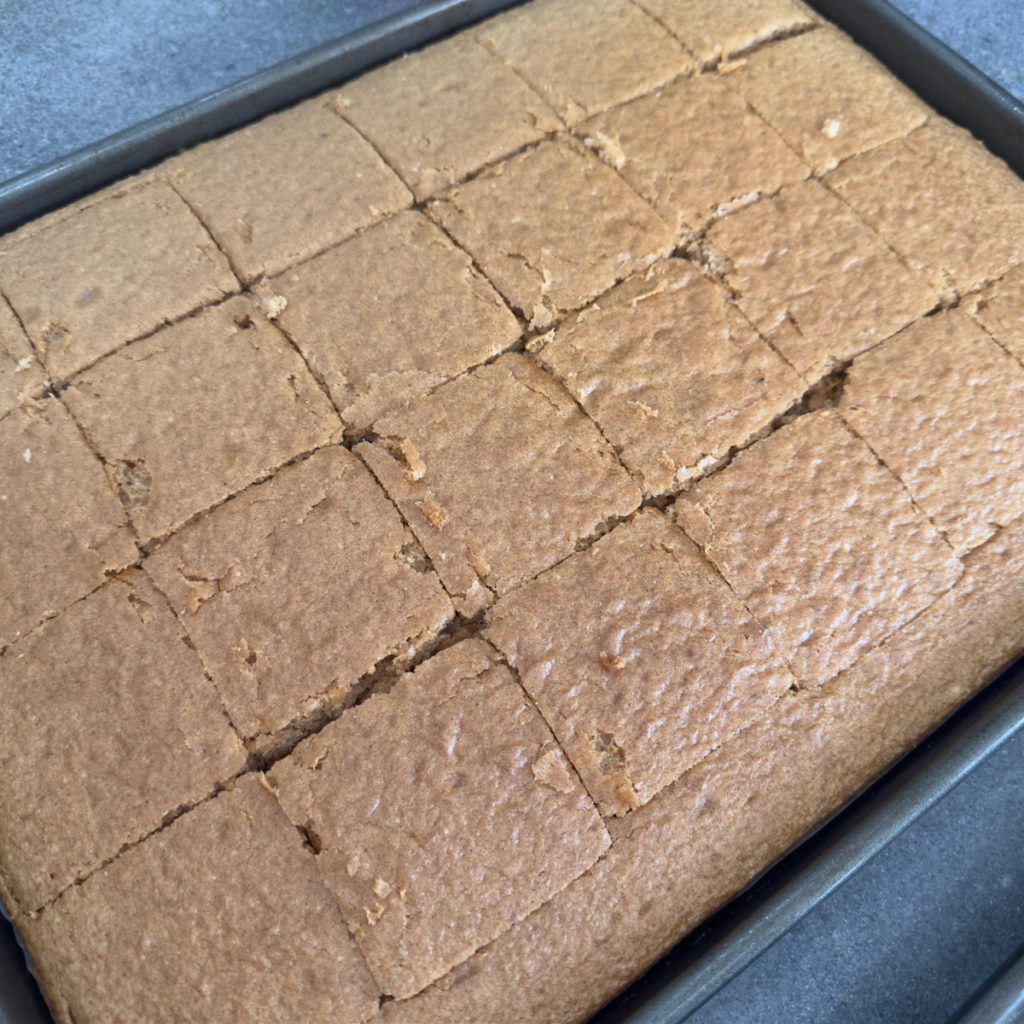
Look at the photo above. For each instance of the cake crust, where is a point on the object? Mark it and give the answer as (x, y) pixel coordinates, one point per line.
(153, 408)
(827, 97)
(21, 376)
(440, 114)
(693, 148)
(471, 819)
(297, 588)
(815, 280)
(232, 899)
(713, 31)
(1000, 310)
(942, 202)
(114, 272)
(581, 58)
(110, 724)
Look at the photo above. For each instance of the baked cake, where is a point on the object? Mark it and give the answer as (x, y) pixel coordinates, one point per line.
(459, 531)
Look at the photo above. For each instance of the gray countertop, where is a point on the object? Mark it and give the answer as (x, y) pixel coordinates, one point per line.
(914, 933)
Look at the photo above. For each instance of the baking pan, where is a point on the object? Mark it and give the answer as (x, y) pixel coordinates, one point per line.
(737, 934)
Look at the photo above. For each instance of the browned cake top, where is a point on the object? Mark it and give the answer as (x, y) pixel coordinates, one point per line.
(457, 532)
(49, 559)
(1000, 310)
(172, 416)
(814, 279)
(222, 916)
(820, 541)
(672, 373)
(267, 217)
(639, 656)
(965, 223)
(470, 819)
(582, 58)
(500, 475)
(82, 286)
(389, 315)
(539, 259)
(442, 113)
(693, 148)
(296, 589)
(941, 404)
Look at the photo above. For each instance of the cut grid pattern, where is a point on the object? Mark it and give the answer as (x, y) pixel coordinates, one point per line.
(524, 344)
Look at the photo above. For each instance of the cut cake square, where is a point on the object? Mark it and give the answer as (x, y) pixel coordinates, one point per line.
(1000, 310)
(941, 405)
(439, 114)
(815, 280)
(538, 258)
(295, 589)
(820, 542)
(172, 415)
(112, 272)
(21, 376)
(499, 475)
(109, 725)
(583, 58)
(639, 657)
(389, 315)
(693, 147)
(224, 918)
(826, 97)
(672, 374)
(943, 202)
(714, 31)
(264, 215)
(469, 820)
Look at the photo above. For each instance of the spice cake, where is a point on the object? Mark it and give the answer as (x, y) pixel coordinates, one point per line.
(459, 531)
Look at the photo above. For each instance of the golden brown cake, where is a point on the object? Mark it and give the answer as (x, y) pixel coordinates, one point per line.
(353, 311)
(82, 287)
(693, 148)
(471, 819)
(612, 645)
(673, 375)
(316, 183)
(1000, 310)
(500, 475)
(265, 584)
(914, 192)
(582, 58)
(814, 279)
(539, 259)
(459, 531)
(941, 404)
(64, 530)
(171, 417)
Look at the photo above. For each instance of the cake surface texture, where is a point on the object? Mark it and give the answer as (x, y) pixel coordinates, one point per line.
(458, 532)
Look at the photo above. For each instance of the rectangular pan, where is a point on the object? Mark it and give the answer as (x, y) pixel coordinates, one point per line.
(719, 949)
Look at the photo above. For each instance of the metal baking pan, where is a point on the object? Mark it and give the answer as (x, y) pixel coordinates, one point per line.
(737, 934)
